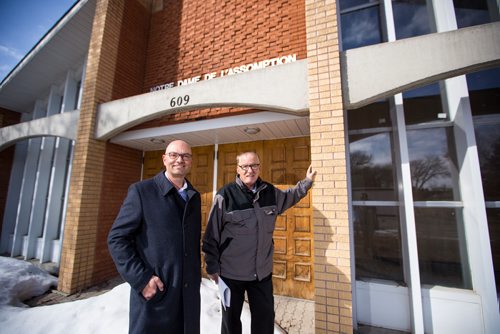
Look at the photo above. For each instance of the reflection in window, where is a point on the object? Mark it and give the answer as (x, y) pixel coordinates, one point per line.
(360, 28)
(471, 12)
(377, 243)
(433, 164)
(372, 172)
(488, 146)
(494, 230)
(422, 105)
(442, 253)
(411, 18)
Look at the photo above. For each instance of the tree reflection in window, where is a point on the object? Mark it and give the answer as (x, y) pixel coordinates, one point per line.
(433, 164)
(372, 168)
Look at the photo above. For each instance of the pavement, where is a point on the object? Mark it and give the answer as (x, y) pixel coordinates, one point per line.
(294, 315)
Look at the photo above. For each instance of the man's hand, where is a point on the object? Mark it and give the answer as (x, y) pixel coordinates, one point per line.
(214, 277)
(310, 174)
(150, 289)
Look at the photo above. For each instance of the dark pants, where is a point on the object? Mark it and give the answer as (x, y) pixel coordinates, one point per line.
(261, 301)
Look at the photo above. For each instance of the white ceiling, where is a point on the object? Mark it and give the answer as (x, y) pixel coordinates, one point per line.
(231, 129)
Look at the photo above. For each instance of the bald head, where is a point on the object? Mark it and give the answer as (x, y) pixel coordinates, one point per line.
(177, 161)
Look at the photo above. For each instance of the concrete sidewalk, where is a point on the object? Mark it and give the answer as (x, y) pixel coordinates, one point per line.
(294, 315)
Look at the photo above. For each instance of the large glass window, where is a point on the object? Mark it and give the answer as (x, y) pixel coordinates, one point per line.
(370, 150)
(411, 18)
(360, 24)
(484, 94)
(377, 236)
(441, 247)
(433, 164)
(372, 167)
(423, 105)
(471, 12)
(378, 243)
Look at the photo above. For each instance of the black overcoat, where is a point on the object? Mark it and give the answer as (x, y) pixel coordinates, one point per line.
(157, 233)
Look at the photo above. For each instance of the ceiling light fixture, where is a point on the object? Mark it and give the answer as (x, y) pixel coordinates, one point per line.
(157, 141)
(251, 131)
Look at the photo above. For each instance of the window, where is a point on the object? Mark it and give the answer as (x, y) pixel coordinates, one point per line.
(441, 247)
(423, 105)
(471, 12)
(411, 18)
(360, 23)
(377, 236)
(484, 94)
(433, 164)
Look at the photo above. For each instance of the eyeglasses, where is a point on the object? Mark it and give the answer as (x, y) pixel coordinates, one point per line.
(184, 156)
(253, 167)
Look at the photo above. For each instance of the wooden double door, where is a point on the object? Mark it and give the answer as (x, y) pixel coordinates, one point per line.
(284, 162)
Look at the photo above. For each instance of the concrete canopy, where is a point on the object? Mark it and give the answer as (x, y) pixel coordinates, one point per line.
(280, 88)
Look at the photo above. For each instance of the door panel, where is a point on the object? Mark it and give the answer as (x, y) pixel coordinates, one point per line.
(284, 163)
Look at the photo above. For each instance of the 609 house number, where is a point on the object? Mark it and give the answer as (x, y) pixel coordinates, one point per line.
(179, 101)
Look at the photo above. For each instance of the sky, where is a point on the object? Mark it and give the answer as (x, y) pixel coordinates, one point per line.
(106, 313)
(22, 24)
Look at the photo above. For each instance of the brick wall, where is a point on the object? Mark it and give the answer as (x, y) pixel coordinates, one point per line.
(122, 168)
(194, 37)
(133, 41)
(84, 199)
(333, 295)
(7, 118)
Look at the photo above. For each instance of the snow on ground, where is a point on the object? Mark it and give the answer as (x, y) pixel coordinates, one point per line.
(106, 313)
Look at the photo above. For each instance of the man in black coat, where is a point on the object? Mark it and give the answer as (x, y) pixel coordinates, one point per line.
(155, 244)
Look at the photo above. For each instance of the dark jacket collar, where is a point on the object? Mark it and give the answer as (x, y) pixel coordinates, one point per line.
(166, 186)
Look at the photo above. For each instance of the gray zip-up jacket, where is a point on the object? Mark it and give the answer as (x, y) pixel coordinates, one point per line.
(238, 240)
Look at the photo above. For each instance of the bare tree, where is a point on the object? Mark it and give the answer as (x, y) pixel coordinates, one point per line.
(424, 170)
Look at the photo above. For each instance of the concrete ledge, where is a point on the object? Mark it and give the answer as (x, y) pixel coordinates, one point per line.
(378, 71)
(60, 125)
(281, 88)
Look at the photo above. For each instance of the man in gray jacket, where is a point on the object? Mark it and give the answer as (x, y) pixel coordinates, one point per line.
(238, 241)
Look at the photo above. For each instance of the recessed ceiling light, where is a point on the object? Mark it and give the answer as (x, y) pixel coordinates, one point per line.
(157, 141)
(251, 131)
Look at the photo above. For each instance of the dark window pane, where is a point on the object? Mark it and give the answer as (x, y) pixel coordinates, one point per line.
(347, 4)
(433, 165)
(375, 115)
(471, 12)
(360, 28)
(423, 105)
(488, 146)
(484, 92)
(494, 229)
(377, 243)
(442, 253)
(411, 18)
(372, 172)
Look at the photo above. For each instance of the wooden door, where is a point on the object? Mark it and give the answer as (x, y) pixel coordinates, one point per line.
(153, 164)
(284, 163)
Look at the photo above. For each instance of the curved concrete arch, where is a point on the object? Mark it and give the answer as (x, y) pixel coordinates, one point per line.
(60, 125)
(376, 72)
(280, 88)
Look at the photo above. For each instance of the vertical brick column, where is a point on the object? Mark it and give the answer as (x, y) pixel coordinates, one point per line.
(77, 258)
(333, 295)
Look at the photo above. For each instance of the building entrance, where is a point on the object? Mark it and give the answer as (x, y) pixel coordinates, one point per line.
(284, 163)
